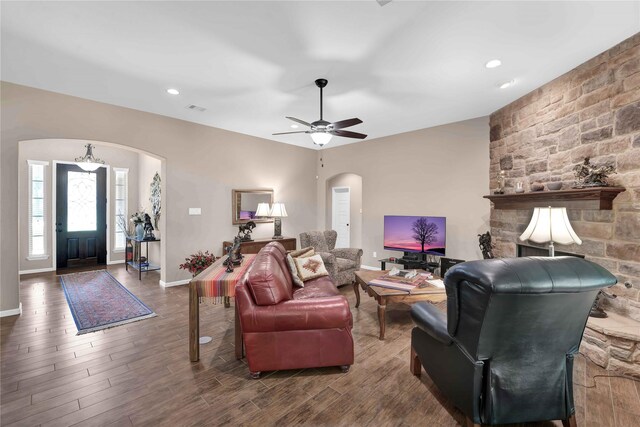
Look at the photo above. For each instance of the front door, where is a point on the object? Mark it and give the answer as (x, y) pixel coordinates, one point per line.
(340, 217)
(81, 216)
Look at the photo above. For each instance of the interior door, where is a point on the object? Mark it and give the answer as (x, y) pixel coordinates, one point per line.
(341, 214)
(81, 216)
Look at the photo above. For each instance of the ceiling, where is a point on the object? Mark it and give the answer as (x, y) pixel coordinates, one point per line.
(405, 66)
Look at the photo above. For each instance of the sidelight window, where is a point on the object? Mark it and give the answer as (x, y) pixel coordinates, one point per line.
(121, 190)
(37, 210)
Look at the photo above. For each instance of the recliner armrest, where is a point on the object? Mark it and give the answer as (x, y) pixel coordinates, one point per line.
(431, 320)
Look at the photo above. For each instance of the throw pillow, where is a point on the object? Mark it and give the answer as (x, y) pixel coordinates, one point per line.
(310, 267)
(304, 252)
(294, 271)
(300, 253)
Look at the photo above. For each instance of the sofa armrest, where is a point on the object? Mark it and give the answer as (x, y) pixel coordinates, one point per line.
(354, 254)
(431, 320)
(294, 315)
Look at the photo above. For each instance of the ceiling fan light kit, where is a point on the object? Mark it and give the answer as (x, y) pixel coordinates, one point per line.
(322, 131)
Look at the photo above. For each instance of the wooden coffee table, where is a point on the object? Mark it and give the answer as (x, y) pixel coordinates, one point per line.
(385, 295)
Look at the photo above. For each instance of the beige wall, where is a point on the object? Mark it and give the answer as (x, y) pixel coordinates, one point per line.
(147, 168)
(201, 166)
(51, 150)
(439, 171)
(354, 182)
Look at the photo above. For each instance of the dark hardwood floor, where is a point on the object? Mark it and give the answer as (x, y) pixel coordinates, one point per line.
(140, 374)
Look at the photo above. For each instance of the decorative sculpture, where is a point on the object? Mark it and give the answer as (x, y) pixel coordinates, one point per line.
(596, 309)
(485, 245)
(233, 254)
(247, 229)
(501, 181)
(148, 228)
(589, 175)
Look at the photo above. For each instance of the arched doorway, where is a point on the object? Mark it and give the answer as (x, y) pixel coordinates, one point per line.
(127, 188)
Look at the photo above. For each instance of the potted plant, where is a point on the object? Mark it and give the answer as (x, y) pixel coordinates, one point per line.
(198, 262)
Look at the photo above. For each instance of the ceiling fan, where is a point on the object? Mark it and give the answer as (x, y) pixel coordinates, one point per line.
(321, 130)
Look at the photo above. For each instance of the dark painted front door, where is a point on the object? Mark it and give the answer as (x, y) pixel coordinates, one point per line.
(81, 216)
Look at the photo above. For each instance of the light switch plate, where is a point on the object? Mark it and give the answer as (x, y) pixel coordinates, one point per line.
(195, 211)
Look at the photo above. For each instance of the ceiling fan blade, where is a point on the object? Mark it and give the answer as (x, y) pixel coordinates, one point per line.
(346, 123)
(286, 133)
(302, 122)
(348, 134)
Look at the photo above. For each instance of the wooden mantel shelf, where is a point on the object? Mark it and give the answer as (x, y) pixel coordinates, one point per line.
(599, 198)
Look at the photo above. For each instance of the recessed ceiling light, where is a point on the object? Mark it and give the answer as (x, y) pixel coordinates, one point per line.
(173, 91)
(507, 84)
(494, 63)
(294, 126)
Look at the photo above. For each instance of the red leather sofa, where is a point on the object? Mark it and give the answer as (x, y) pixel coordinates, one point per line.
(287, 327)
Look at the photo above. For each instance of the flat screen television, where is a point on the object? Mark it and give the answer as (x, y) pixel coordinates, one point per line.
(416, 234)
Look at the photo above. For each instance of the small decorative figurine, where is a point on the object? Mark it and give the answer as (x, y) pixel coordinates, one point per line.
(246, 229)
(537, 186)
(233, 254)
(589, 175)
(519, 187)
(485, 245)
(148, 228)
(501, 181)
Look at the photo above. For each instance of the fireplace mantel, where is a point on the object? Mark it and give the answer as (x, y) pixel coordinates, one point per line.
(599, 198)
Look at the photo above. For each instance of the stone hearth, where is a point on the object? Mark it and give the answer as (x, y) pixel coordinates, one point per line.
(613, 343)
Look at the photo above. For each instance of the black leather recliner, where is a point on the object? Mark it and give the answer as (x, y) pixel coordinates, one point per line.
(503, 352)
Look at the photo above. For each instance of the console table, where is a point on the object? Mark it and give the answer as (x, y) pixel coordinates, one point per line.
(254, 246)
(212, 285)
(135, 263)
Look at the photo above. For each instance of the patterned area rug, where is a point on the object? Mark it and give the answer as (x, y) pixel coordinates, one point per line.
(98, 301)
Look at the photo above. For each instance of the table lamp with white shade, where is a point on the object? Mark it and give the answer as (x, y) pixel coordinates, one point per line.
(550, 225)
(263, 210)
(277, 211)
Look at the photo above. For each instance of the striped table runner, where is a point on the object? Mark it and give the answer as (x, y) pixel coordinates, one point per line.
(215, 283)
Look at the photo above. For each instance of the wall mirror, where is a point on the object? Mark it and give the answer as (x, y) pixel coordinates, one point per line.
(244, 204)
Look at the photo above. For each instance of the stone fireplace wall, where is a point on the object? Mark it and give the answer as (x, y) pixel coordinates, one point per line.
(592, 111)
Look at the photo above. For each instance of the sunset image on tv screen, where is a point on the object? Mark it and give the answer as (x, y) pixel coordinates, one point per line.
(422, 234)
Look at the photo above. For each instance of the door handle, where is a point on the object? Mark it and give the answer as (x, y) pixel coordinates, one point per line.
(58, 227)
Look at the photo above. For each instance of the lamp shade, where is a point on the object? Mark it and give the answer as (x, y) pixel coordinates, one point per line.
(550, 225)
(321, 138)
(278, 210)
(263, 209)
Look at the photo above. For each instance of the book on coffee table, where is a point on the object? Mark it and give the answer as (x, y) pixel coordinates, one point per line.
(418, 284)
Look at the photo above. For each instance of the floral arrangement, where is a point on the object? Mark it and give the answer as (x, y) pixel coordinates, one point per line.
(198, 262)
(138, 217)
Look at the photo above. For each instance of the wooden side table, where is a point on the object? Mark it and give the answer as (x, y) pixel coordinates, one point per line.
(254, 246)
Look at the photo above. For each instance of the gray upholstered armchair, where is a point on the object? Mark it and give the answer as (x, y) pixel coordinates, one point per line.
(341, 263)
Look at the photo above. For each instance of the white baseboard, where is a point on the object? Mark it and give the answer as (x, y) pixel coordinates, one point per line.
(12, 312)
(118, 261)
(175, 283)
(368, 267)
(37, 270)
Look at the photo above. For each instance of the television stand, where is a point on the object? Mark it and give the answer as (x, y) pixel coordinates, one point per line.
(409, 264)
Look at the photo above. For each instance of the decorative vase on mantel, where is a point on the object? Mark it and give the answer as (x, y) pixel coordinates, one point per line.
(139, 231)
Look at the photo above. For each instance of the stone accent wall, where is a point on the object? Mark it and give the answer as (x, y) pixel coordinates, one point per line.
(592, 111)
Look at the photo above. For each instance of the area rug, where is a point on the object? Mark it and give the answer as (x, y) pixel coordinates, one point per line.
(98, 301)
